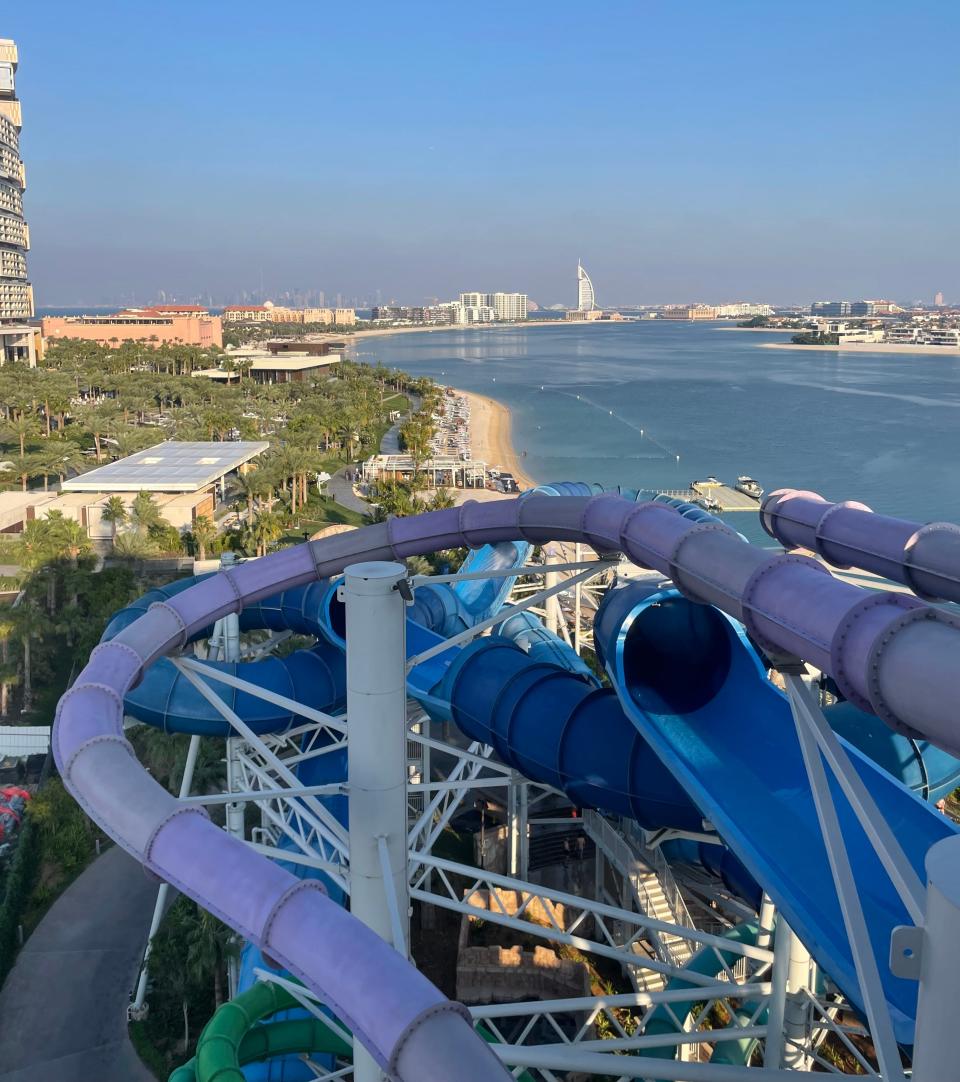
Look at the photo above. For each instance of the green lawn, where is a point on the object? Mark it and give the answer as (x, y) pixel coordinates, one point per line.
(317, 515)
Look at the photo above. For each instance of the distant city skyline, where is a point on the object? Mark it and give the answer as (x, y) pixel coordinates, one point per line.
(744, 154)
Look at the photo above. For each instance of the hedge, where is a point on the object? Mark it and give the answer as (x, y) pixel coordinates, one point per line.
(21, 879)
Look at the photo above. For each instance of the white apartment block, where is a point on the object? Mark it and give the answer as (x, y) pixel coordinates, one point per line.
(510, 306)
(503, 306)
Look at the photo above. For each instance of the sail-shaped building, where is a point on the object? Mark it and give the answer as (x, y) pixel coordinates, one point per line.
(586, 301)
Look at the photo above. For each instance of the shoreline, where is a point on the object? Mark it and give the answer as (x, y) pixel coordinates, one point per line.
(870, 347)
(380, 332)
(491, 423)
(762, 330)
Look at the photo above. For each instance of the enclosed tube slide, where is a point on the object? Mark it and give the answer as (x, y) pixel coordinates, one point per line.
(313, 676)
(896, 655)
(926, 558)
(696, 691)
(235, 1036)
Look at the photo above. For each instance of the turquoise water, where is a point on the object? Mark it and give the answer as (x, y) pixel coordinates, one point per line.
(661, 404)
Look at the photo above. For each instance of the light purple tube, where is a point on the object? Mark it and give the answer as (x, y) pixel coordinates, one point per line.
(926, 558)
(890, 653)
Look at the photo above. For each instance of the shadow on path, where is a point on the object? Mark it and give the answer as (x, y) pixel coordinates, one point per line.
(63, 1008)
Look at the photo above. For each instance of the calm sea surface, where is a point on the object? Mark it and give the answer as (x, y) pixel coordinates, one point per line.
(656, 405)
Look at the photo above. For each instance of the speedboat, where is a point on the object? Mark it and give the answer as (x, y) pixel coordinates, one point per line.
(749, 487)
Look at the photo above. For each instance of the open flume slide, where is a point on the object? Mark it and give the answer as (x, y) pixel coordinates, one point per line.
(789, 605)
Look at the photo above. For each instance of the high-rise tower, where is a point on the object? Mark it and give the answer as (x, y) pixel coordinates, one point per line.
(16, 293)
(585, 298)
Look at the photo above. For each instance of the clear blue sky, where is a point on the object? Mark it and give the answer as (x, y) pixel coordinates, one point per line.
(746, 149)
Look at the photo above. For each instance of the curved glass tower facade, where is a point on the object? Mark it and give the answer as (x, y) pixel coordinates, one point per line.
(16, 293)
(585, 299)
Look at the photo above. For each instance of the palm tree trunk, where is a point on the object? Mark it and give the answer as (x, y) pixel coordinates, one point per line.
(27, 683)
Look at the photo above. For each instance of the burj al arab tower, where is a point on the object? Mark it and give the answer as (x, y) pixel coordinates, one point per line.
(585, 298)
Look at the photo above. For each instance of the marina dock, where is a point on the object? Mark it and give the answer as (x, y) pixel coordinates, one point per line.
(729, 499)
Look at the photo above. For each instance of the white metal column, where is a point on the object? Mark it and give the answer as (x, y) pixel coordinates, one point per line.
(938, 947)
(377, 758)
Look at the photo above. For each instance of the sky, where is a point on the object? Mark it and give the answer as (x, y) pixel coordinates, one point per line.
(683, 149)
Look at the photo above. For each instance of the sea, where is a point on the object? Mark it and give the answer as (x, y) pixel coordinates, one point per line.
(652, 404)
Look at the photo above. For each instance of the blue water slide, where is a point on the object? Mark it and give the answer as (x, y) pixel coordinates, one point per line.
(697, 693)
(313, 675)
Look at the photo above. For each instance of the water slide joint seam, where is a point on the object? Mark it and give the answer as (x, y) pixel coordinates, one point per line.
(913, 615)
(190, 809)
(838, 648)
(674, 556)
(275, 909)
(449, 1007)
(910, 568)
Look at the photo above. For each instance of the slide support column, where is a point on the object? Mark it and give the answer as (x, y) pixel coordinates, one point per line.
(938, 947)
(377, 758)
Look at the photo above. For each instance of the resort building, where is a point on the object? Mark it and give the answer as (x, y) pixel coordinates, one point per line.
(18, 508)
(245, 313)
(150, 326)
(291, 367)
(683, 311)
(842, 308)
(743, 309)
(171, 467)
(18, 340)
(443, 471)
(276, 313)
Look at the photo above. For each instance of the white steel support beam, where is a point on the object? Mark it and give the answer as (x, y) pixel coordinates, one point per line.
(865, 962)
(135, 1009)
(320, 816)
(377, 758)
(878, 830)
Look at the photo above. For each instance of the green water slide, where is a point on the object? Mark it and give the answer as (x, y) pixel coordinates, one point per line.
(237, 1035)
(706, 962)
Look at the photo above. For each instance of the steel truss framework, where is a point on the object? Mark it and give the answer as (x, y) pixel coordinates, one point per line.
(765, 995)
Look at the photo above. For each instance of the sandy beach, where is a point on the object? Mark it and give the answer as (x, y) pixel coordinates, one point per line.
(869, 347)
(490, 437)
(380, 332)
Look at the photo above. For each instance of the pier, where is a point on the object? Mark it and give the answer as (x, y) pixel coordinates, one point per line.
(729, 499)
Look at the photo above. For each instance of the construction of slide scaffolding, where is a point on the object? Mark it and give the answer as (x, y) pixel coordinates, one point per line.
(711, 771)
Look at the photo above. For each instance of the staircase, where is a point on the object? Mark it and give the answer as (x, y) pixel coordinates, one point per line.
(648, 888)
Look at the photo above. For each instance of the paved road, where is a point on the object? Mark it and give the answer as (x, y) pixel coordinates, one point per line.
(63, 1008)
(342, 491)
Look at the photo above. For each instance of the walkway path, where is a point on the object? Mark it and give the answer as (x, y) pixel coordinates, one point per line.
(342, 491)
(63, 1008)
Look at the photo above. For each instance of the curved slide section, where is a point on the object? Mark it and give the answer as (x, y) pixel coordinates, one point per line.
(789, 604)
(925, 558)
(696, 691)
(235, 1037)
(315, 676)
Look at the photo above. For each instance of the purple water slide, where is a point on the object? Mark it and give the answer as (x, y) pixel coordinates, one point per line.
(924, 557)
(890, 653)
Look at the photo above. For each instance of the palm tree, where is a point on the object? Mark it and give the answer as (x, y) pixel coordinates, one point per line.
(31, 624)
(8, 673)
(134, 546)
(144, 513)
(265, 528)
(204, 534)
(209, 942)
(116, 514)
